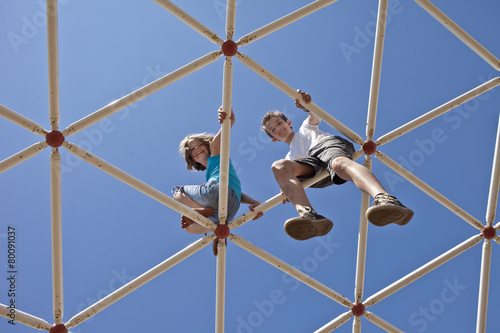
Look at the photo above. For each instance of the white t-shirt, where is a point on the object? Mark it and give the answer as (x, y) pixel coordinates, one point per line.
(306, 137)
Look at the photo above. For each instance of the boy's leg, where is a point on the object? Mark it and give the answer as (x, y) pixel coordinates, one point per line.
(386, 208)
(309, 224)
(286, 173)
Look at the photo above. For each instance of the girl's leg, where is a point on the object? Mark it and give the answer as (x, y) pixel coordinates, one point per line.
(188, 224)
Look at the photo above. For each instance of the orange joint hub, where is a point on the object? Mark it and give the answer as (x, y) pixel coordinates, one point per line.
(229, 48)
(358, 309)
(58, 329)
(369, 147)
(222, 231)
(54, 139)
(489, 232)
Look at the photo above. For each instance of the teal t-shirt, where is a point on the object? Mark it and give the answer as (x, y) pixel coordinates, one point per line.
(213, 173)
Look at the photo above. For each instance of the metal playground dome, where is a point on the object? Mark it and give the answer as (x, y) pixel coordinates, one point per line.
(231, 50)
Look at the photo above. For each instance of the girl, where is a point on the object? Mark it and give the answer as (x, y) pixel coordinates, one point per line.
(202, 152)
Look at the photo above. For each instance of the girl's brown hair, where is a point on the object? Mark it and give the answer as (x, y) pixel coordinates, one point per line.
(191, 164)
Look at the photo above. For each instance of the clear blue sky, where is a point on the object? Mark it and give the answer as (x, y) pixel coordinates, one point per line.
(112, 233)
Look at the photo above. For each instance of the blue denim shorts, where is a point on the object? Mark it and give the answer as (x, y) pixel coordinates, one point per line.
(207, 195)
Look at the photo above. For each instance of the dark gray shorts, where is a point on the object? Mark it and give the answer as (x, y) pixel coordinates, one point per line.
(322, 154)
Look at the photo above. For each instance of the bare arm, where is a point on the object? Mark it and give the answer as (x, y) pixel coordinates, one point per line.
(215, 144)
(246, 199)
(313, 119)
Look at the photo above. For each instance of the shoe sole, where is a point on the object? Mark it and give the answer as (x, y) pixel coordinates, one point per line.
(386, 214)
(302, 229)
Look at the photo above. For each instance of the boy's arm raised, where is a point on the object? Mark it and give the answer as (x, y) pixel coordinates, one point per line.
(313, 119)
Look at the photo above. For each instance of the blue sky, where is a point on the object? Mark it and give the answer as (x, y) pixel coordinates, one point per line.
(112, 233)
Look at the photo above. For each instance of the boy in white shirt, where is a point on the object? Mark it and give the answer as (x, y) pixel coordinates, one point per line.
(311, 151)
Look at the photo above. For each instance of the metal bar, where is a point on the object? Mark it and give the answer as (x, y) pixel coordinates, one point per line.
(376, 69)
(430, 191)
(225, 139)
(24, 318)
(362, 242)
(56, 227)
(336, 323)
(22, 121)
(139, 281)
(141, 93)
(482, 306)
(220, 286)
(230, 19)
(278, 83)
(284, 21)
(190, 21)
(381, 323)
(290, 270)
(494, 183)
(356, 325)
(438, 111)
(272, 202)
(53, 62)
(22, 156)
(138, 185)
(418, 273)
(460, 33)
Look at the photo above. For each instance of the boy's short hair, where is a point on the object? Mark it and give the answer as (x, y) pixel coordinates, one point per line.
(268, 117)
(191, 164)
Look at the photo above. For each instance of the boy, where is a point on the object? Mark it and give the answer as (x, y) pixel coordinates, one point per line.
(312, 150)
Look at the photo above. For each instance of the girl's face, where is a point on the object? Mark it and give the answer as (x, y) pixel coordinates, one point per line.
(198, 151)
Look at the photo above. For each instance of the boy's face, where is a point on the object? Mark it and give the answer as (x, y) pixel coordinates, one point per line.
(281, 130)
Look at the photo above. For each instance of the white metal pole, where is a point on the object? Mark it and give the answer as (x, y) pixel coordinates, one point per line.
(278, 83)
(381, 323)
(418, 273)
(220, 286)
(53, 59)
(56, 227)
(356, 325)
(290, 270)
(22, 156)
(336, 323)
(376, 69)
(24, 318)
(284, 21)
(139, 281)
(190, 21)
(141, 93)
(362, 242)
(138, 185)
(225, 139)
(482, 307)
(22, 121)
(430, 191)
(272, 202)
(494, 183)
(438, 111)
(460, 33)
(230, 19)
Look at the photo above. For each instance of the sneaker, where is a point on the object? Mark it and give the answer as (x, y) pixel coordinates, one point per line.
(309, 224)
(387, 209)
